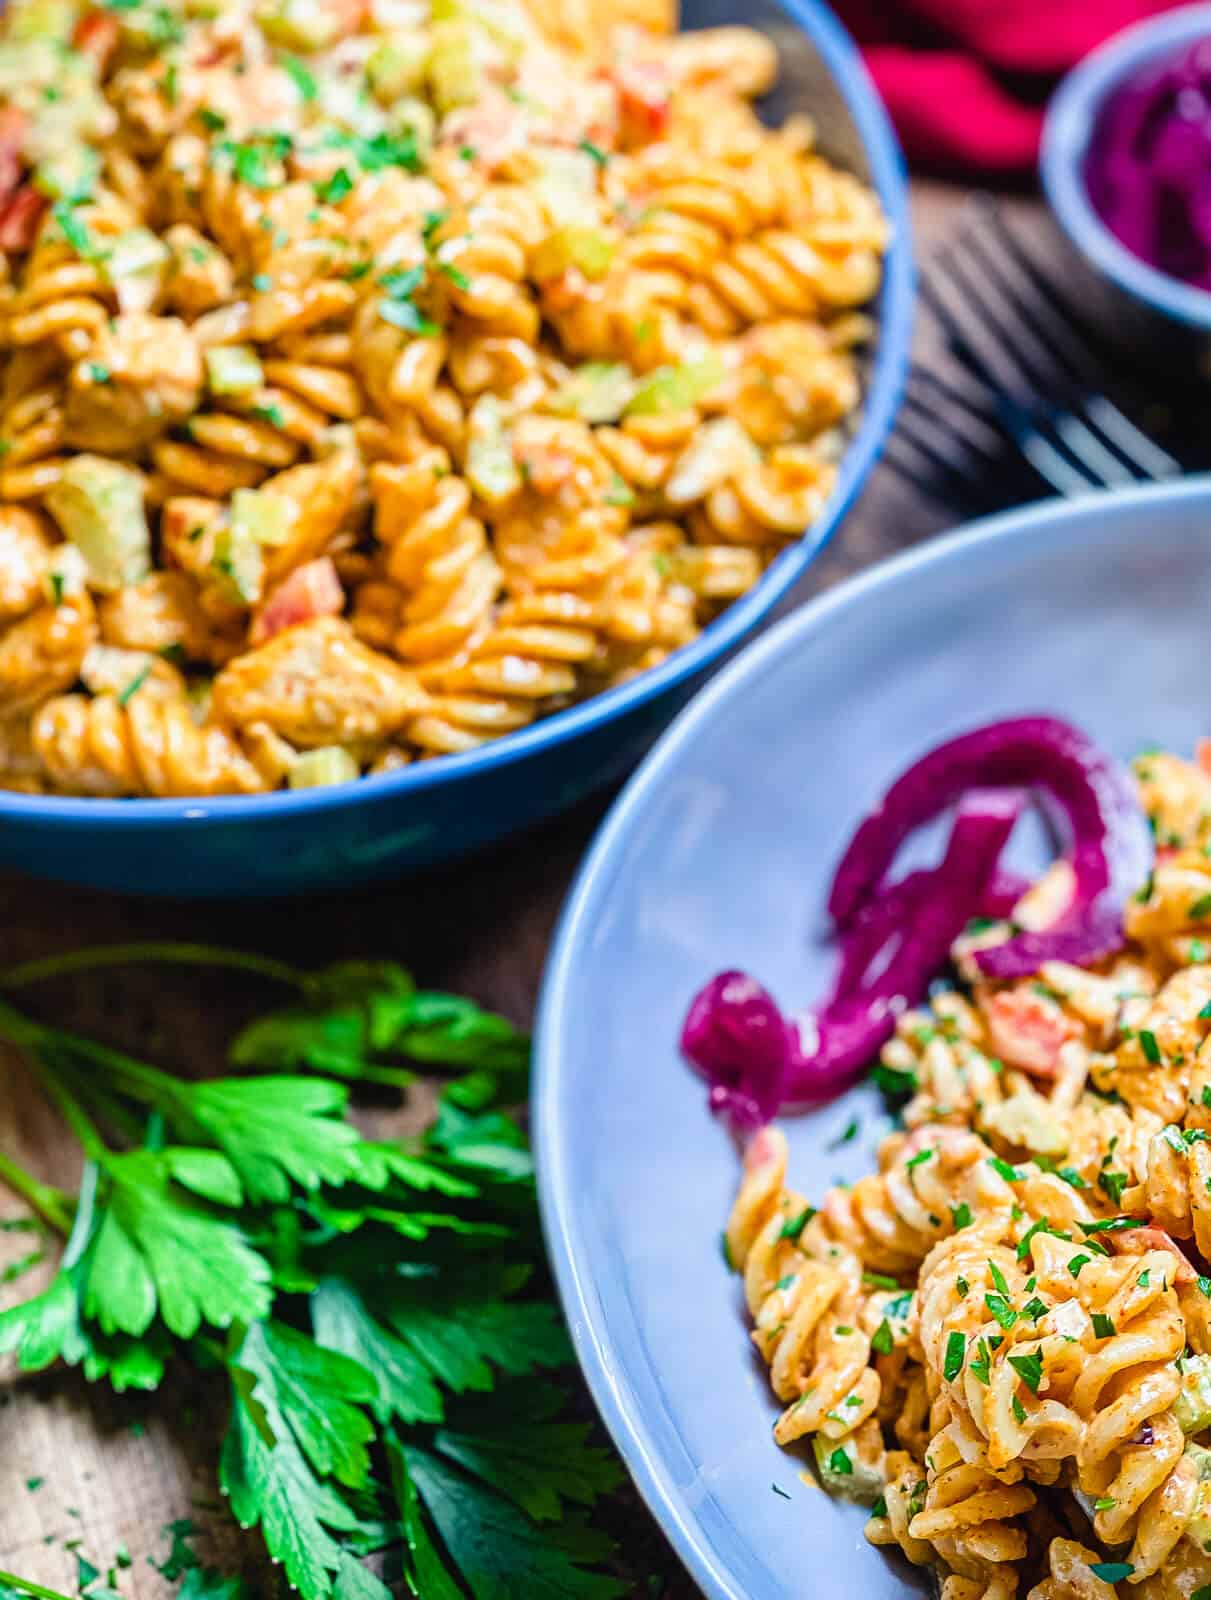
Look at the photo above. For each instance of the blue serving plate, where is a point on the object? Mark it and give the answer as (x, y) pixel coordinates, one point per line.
(719, 854)
(334, 838)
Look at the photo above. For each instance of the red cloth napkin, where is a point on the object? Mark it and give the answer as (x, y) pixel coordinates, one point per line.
(966, 81)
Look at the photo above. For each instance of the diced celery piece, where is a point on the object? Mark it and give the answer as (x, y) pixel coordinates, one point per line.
(98, 503)
(27, 62)
(843, 1472)
(299, 24)
(1192, 1408)
(239, 558)
(590, 249)
(597, 392)
(412, 115)
(491, 470)
(455, 73)
(233, 369)
(566, 185)
(68, 174)
(262, 515)
(396, 67)
(41, 19)
(1198, 1529)
(319, 769)
(134, 261)
(676, 388)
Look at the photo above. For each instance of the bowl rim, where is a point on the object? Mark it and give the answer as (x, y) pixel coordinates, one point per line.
(588, 900)
(1068, 127)
(888, 176)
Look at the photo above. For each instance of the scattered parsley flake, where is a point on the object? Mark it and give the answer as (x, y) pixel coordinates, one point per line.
(1103, 1326)
(952, 1365)
(1111, 1571)
(1030, 1369)
(883, 1341)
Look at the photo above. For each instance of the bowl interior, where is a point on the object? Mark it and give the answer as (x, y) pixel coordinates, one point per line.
(718, 854)
(1072, 118)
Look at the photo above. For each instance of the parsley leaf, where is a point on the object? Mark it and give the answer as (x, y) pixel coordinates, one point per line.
(500, 1553)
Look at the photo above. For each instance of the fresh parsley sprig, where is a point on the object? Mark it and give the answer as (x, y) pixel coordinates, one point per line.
(379, 1310)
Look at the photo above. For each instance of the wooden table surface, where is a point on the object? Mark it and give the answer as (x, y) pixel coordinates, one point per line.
(117, 1471)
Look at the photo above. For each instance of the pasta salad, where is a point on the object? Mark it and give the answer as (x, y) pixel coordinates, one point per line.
(1002, 1338)
(377, 376)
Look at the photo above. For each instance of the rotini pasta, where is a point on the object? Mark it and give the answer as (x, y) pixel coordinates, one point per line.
(1002, 1338)
(489, 349)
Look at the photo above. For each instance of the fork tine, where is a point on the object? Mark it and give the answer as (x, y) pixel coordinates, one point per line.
(1035, 298)
(937, 289)
(1050, 463)
(1130, 441)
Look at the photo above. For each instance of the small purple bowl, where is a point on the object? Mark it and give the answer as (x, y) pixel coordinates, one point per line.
(1163, 307)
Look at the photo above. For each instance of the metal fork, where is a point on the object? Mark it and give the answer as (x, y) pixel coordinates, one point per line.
(1023, 398)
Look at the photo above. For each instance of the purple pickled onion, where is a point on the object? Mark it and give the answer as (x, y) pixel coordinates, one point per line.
(1004, 890)
(1110, 851)
(738, 1039)
(756, 1060)
(1148, 170)
(849, 1031)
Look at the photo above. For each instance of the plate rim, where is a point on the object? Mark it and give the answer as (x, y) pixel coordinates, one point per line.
(594, 1353)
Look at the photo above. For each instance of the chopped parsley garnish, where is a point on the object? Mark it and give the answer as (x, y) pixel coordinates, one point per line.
(599, 155)
(1205, 1014)
(1072, 1177)
(334, 189)
(273, 414)
(1029, 1369)
(900, 1306)
(979, 1365)
(1204, 1285)
(1105, 1503)
(963, 1287)
(879, 1509)
(879, 1280)
(1010, 1174)
(262, 282)
(893, 1082)
(960, 1215)
(135, 684)
(840, 1463)
(56, 588)
(1201, 908)
(779, 1491)
(73, 230)
(726, 1251)
(1034, 1309)
(1147, 1039)
(304, 78)
(847, 1135)
(1001, 1309)
(1041, 1226)
(794, 1226)
(1110, 1225)
(1113, 1184)
(1018, 1409)
(212, 121)
(918, 1160)
(952, 1364)
(998, 1277)
(98, 372)
(251, 158)
(1103, 1326)
(1111, 1571)
(1144, 1278)
(883, 1341)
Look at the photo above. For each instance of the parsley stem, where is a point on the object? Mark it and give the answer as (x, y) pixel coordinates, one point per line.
(78, 1120)
(156, 952)
(34, 1590)
(52, 1204)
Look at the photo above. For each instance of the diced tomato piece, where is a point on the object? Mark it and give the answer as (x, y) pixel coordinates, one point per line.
(312, 590)
(1027, 1031)
(97, 36)
(1138, 1241)
(20, 219)
(13, 124)
(644, 96)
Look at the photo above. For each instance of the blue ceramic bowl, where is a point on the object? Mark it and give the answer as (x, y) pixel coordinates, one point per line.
(331, 838)
(1171, 308)
(719, 854)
